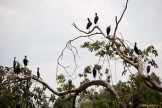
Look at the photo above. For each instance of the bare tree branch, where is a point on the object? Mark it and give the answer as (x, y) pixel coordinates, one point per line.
(118, 21)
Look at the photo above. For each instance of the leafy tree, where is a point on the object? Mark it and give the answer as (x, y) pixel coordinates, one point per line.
(22, 88)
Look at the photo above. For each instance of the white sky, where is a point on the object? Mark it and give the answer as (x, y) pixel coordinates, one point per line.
(41, 28)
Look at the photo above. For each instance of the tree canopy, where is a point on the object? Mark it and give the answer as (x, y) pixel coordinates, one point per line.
(18, 86)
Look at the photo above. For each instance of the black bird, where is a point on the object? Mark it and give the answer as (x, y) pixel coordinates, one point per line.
(17, 69)
(38, 74)
(70, 83)
(96, 18)
(108, 30)
(136, 49)
(89, 23)
(94, 72)
(148, 69)
(25, 61)
(14, 63)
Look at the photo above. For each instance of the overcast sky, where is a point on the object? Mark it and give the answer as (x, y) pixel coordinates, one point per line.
(41, 28)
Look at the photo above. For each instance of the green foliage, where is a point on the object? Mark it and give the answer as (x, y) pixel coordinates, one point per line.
(62, 102)
(133, 93)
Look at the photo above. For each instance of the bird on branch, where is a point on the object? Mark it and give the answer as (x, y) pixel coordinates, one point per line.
(14, 63)
(136, 49)
(38, 74)
(17, 69)
(88, 24)
(94, 72)
(70, 83)
(148, 69)
(108, 30)
(25, 61)
(96, 18)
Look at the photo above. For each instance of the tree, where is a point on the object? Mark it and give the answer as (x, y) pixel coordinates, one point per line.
(110, 48)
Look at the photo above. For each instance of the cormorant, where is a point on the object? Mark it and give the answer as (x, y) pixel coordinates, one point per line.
(94, 72)
(136, 49)
(89, 23)
(96, 18)
(25, 61)
(14, 63)
(108, 30)
(148, 69)
(38, 74)
(17, 69)
(70, 83)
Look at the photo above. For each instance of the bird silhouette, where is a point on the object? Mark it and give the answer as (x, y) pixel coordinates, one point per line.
(88, 24)
(14, 62)
(96, 18)
(148, 69)
(38, 74)
(70, 83)
(94, 72)
(14, 65)
(108, 30)
(25, 61)
(17, 69)
(136, 49)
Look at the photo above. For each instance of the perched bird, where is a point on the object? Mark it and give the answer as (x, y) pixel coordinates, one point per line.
(94, 72)
(89, 23)
(25, 61)
(38, 74)
(14, 63)
(136, 49)
(148, 69)
(17, 69)
(70, 83)
(108, 30)
(96, 18)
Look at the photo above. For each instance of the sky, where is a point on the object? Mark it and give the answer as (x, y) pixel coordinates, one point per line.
(41, 28)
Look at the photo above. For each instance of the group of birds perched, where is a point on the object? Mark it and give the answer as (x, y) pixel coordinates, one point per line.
(17, 69)
(89, 24)
(137, 51)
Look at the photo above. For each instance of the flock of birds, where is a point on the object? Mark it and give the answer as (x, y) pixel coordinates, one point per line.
(89, 24)
(16, 65)
(17, 69)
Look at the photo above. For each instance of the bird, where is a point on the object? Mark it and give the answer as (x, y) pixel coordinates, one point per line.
(70, 83)
(14, 65)
(38, 74)
(108, 30)
(14, 62)
(94, 72)
(88, 24)
(136, 49)
(148, 69)
(25, 61)
(96, 18)
(17, 69)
